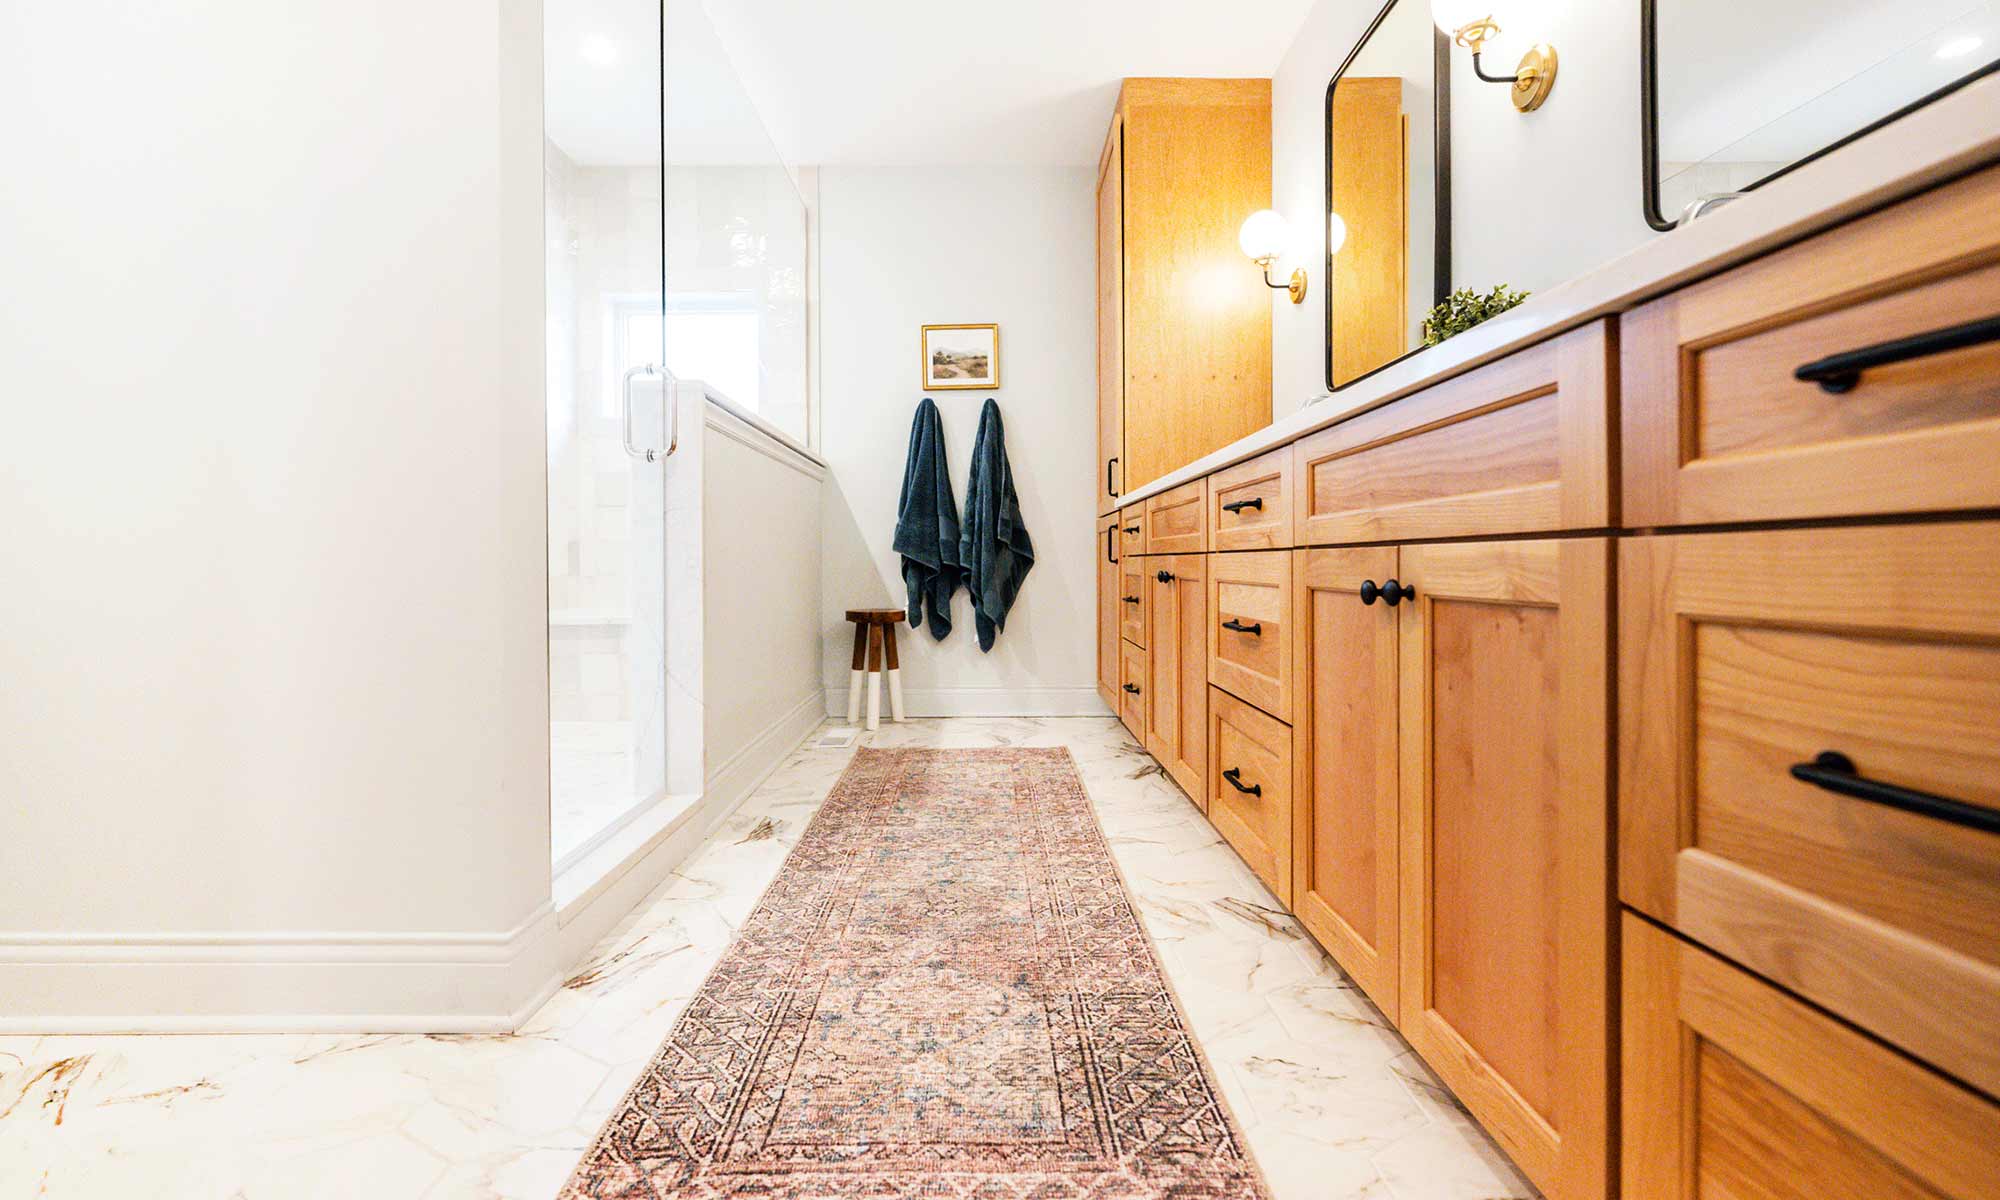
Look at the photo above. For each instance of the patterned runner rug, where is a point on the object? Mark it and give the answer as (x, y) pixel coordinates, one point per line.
(944, 995)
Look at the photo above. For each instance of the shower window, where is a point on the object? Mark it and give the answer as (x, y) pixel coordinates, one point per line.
(715, 339)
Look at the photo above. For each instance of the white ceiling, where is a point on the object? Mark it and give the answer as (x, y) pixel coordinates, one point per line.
(908, 82)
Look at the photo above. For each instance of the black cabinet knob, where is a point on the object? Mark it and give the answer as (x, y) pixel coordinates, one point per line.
(1164, 576)
(1369, 592)
(1394, 593)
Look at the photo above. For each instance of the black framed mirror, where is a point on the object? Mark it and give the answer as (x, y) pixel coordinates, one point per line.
(1733, 96)
(1388, 191)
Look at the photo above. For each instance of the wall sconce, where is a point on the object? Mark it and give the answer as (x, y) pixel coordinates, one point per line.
(1470, 23)
(1264, 237)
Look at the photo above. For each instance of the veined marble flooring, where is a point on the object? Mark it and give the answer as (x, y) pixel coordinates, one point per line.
(1334, 1103)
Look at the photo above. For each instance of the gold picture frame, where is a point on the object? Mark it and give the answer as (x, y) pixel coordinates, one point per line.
(959, 357)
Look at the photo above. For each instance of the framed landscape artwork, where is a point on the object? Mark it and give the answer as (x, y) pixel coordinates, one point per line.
(961, 356)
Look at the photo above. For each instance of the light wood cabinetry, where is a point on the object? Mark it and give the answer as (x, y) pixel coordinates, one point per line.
(1133, 596)
(1250, 787)
(1249, 637)
(1111, 318)
(1110, 612)
(1132, 531)
(1250, 504)
(1505, 906)
(1745, 658)
(1177, 654)
(1345, 842)
(1174, 520)
(1718, 427)
(1519, 446)
(1186, 160)
(1133, 685)
(1733, 1089)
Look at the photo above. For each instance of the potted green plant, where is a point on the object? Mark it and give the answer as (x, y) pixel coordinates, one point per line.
(1465, 308)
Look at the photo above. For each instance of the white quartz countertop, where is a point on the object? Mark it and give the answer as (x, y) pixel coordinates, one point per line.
(1948, 138)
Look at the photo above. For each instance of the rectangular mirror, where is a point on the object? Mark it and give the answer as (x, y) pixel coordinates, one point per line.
(1388, 192)
(1738, 94)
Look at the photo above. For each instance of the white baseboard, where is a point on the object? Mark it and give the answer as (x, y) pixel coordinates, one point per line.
(986, 702)
(332, 982)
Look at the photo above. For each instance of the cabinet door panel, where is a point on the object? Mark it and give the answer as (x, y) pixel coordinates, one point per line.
(1733, 1089)
(1249, 646)
(1132, 597)
(1505, 843)
(1111, 321)
(1250, 788)
(1109, 615)
(1177, 718)
(1133, 687)
(1344, 841)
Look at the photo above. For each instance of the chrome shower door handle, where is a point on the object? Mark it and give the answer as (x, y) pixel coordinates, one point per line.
(647, 455)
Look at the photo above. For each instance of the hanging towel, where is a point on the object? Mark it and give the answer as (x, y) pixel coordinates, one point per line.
(927, 524)
(994, 547)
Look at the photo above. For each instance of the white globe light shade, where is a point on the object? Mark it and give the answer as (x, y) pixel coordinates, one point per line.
(1454, 15)
(1264, 235)
(1336, 233)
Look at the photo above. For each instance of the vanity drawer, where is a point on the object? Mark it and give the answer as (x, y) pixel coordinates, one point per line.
(1250, 504)
(1249, 628)
(1717, 427)
(1733, 1090)
(1748, 660)
(1521, 445)
(1132, 683)
(1250, 788)
(1132, 530)
(1134, 600)
(1174, 522)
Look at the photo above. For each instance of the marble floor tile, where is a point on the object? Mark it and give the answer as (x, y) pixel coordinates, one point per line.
(1335, 1105)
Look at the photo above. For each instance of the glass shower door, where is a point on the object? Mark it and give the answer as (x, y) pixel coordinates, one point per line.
(607, 428)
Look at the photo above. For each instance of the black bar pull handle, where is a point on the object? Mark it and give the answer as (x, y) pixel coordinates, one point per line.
(1237, 506)
(1132, 688)
(1164, 576)
(1131, 529)
(1110, 544)
(1235, 777)
(1108, 489)
(1235, 626)
(1131, 599)
(1838, 373)
(1836, 772)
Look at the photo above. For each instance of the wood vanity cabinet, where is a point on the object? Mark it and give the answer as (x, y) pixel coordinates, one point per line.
(1177, 656)
(1731, 1088)
(1505, 839)
(1810, 778)
(1345, 843)
(1185, 161)
(1109, 614)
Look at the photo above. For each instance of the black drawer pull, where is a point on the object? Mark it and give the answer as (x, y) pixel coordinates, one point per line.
(1164, 576)
(1390, 593)
(1131, 599)
(1108, 489)
(1837, 373)
(1235, 626)
(1132, 688)
(1237, 506)
(1836, 772)
(1131, 529)
(1110, 544)
(1235, 777)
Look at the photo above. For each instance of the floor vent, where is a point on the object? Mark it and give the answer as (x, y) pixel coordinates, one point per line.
(836, 739)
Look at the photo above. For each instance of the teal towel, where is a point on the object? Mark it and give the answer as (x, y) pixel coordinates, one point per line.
(927, 534)
(994, 546)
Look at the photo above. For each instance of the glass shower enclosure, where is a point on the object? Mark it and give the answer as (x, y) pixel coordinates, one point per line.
(675, 250)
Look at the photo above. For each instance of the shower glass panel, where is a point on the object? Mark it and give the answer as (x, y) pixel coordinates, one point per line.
(736, 236)
(603, 185)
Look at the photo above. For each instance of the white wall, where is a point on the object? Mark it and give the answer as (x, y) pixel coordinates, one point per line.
(905, 247)
(1536, 198)
(274, 646)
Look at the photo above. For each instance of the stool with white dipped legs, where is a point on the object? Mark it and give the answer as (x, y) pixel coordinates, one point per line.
(874, 656)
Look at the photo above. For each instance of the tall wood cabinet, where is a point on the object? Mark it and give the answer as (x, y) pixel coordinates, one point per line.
(1186, 160)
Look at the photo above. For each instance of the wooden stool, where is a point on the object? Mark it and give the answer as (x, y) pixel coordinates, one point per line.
(875, 639)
